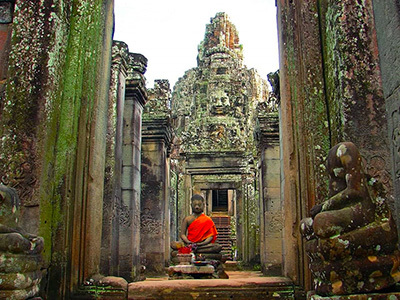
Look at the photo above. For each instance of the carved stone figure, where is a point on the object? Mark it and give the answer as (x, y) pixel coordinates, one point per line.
(20, 252)
(351, 237)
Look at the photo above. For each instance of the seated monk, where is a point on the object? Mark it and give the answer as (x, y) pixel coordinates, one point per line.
(198, 230)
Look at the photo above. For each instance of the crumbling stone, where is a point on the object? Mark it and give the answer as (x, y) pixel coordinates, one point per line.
(20, 252)
(351, 236)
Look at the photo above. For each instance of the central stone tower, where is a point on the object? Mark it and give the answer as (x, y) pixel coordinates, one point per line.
(214, 111)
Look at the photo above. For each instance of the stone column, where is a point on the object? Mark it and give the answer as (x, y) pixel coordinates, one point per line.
(304, 126)
(354, 84)
(387, 21)
(129, 205)
(52, 131)
(113, 169)
(156, 140)
(330, 92)
(271, 221)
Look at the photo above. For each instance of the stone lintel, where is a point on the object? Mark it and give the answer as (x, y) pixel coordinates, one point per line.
(135, 81)
(157, 129)
(225, 170)
(212, 162)
(222, 154)
(268, 131)
(369, 296)
(135, 88)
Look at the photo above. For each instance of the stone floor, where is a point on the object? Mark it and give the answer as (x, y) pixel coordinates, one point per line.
(240, 285)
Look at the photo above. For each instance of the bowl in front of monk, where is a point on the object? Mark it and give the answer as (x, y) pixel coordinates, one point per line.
(184, 258)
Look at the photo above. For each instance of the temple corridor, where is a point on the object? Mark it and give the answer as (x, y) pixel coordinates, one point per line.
(298, 171)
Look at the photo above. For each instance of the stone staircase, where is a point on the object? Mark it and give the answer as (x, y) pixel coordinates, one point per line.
(223, 225)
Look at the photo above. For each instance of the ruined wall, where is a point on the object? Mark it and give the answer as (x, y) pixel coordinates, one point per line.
(330, 92)
(387, 21)
(52, 129)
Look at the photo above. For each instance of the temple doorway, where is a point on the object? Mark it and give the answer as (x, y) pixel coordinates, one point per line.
(220, 205)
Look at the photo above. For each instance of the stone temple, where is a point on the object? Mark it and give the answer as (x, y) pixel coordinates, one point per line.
(98, 171)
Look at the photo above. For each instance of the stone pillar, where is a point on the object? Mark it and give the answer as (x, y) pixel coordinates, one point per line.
(304, 126)
(271, 221)
(156, 140)
(113, 169)
(387, 21)
(330, 92)
(52, 131)
(129, 205)
(353, 84)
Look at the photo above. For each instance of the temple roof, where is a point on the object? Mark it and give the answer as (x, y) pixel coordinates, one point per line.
(221, 37)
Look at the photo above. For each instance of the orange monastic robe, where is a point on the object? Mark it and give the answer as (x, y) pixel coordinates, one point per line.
(202, 228)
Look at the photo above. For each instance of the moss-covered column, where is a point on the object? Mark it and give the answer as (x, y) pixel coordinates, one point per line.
(156, 140)
(354, 88)
(53, 122)
(129, 205)
(304, 124)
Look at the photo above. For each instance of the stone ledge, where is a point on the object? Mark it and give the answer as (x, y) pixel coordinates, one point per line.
(192, 269)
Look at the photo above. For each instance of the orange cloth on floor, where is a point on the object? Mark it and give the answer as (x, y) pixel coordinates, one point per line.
(202, 228)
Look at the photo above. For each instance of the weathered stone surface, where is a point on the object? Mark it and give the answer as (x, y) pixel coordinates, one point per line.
(351, 236)
(156, 145)
(241, 285)
(354, 86)
(113, 158)
(20, 252)
(370, 296)
(113, 281)
(271, 221)
(52, 129)
(191, 269)
(330, 91)
(304, 124)
(387, 23)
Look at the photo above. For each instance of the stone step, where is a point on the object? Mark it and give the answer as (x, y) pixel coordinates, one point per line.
(241, 285)
(231, 265)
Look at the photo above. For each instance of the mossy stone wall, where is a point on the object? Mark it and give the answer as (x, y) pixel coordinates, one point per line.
(52, 126)
(330, 92)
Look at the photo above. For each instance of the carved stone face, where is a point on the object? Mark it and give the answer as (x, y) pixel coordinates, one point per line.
(197, 206)
(220, 102)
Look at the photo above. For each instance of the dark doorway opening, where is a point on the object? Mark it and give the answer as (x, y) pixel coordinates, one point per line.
(220, 200)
